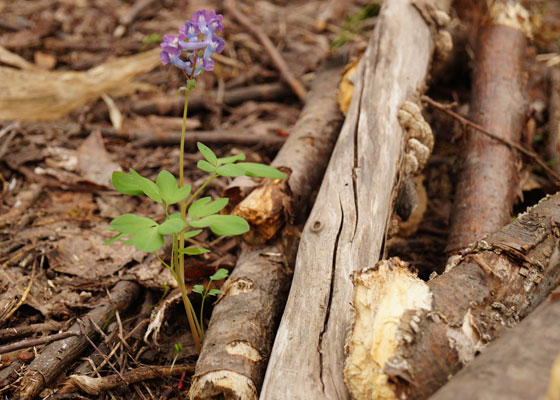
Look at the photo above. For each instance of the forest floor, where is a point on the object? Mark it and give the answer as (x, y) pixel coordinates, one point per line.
(60, 143)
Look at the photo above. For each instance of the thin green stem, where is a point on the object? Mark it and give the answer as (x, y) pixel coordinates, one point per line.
(200, 189)
(180, 273)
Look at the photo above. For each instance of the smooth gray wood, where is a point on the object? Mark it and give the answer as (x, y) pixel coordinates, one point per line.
(347, 225)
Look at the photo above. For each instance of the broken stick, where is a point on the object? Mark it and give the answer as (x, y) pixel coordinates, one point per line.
(59, 355)
(408, 337)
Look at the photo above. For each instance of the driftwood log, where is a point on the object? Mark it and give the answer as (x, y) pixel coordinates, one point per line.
(488, 180)
(410, 336)
(347, 225)
(56, 357)
(515, 367)
(241, 331)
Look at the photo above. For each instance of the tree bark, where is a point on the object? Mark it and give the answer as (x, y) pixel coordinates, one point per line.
(347, 225)
(303, 157)
(59, 355)
(487, 183)
(409, 336)
(515, 367)
(244, 321)
(553, 138)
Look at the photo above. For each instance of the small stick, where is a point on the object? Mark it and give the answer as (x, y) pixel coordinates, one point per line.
(36, 342)
(95, 386)
(23, 297)
(276, 57)
(8, 334)
(507, 142)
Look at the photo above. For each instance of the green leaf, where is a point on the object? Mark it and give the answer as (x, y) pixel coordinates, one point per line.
(193, 251)
(178, 348)
(147, 240)
(208, 154)
(191, 234)
(231, 159)
(149, 188)
(202, 207)
(179, 195)
(130, 224)
(114, 239)
(230, 170)
(167, 185)
(220, 274)
(214, 292)
(206, 166)
(224, 225)
(172, 225)
(198, 289)
(256, 170)
(126, 184)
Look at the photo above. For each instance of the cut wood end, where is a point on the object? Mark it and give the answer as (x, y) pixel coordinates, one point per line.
(512, 14)
(383, 296)
(237, 287)
(222, 384)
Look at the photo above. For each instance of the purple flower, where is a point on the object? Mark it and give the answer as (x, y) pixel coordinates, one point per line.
(198, 39)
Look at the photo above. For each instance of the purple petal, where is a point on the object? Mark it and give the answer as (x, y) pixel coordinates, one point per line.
(164, 57)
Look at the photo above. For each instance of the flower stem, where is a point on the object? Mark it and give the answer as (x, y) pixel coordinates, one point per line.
(180, 273)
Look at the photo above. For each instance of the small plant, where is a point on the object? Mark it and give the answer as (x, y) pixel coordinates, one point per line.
(198, 39)
(178, 350)
(220, 274)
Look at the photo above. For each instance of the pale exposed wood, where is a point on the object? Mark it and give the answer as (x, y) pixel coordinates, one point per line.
(347, 225)
(439, 326)
(515, 367)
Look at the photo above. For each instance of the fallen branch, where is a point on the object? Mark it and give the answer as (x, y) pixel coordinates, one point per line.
(59, 355)
(169, 105)
(346, 228)
(36, 342)
(408, 337)
(244, 320)
(96, 386)
(517, 365)
(274, 54)
(488, 178)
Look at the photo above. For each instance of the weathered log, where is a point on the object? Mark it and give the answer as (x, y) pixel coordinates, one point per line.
(409, 336)
(304, 157)
(553, 138)
(59, 355)
(347, 225)
(515, 367)
(241, 331)
(487, 183)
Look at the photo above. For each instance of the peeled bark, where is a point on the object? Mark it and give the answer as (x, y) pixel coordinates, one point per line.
(423, 333)
(487, 183)
(515, 367)
(347, 225)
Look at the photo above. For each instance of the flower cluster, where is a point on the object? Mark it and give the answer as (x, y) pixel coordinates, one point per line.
(198, 38)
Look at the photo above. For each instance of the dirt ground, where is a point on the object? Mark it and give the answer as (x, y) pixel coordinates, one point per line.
(60, 142)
